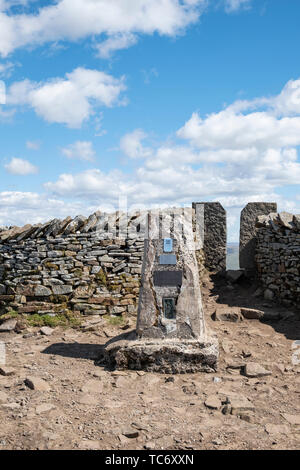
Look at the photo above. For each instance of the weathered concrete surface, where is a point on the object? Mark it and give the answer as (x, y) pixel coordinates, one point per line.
(211, 227)
(169, 356)
(189, 311)
(248, 231)
(182, 343)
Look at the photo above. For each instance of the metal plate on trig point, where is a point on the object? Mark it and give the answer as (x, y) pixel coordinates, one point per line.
(167, 259)
(167, 278)
(168, 245)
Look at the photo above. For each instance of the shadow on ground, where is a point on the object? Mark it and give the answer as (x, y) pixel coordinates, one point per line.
(75, 350)
(95, 352)
(242, 295)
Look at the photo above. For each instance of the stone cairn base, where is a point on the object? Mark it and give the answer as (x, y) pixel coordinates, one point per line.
(170, 356)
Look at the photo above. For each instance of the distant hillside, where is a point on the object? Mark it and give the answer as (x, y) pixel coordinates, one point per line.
(233, 256)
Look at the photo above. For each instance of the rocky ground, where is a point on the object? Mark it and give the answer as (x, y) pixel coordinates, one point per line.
(53, 396)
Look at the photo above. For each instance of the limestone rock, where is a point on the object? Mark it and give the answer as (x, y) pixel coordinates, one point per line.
(3, 397)
(41, 291)
(76, 224)
(7, 371)
(44, 408)
(252, 314)
(277, 429)
(36, 383)
(292, 419)
(240, 404)
(62, 290)
(252, 369)
(8, 325)
(213, 402)
(87, 399)
(227, 315)
(46, 331)
(131, 433)
(286, 219)
(92, 386)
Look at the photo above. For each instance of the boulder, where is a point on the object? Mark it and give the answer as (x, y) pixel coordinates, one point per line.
(7, 371)
(286, 220)
(227, 315)
(292, 419)
(62, 290)
(252, 314)
(213, 402)
(8, 325)
(252, 369)
(36, 383)
(42, 291)
(46, 331)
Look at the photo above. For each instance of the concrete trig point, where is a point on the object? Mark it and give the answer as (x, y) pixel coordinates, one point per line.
(171, 335)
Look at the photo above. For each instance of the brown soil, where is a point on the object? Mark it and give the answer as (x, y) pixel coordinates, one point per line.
(92, 408)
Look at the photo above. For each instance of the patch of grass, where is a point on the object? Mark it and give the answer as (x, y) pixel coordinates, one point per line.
(67, 320)
(10, 314)
(114, 320)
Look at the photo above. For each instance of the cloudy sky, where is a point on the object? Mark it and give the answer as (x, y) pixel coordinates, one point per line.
(160, 102)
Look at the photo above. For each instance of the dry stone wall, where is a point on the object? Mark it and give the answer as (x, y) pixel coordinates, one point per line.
(90, 266)
(248, 231)
(212, 233)
(278, 256)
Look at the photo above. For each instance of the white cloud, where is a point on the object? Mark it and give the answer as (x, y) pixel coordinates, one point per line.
(71, 100)
(18, 166)
(149, 74)
(80, 150)
(232, 155)
(241, 154)
(115, 43)
(231, 130)
(288, 101)
(131, 145)
(2, 93)
(6, 69)
(72, 20)
(234, 5)
(20, 208)
(33, 145)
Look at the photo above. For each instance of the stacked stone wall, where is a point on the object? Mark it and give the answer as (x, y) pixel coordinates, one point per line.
(248, 231)
(278, 257)
(88, 266)
(212, 234)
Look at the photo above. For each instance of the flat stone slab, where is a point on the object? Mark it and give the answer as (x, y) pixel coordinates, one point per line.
(171, 356)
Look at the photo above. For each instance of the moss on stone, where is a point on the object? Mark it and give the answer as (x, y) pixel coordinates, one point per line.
(8, 315)
(51, 266)
(59, 299)
(101, 277)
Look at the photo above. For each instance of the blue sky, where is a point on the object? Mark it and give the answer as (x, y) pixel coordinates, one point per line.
(164, 102)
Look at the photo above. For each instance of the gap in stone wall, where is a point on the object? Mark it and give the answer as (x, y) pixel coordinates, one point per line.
(233, 240)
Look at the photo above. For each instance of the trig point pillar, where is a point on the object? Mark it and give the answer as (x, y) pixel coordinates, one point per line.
(171, 334)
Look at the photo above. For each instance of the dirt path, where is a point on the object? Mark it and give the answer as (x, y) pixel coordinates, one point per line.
(83, 406)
